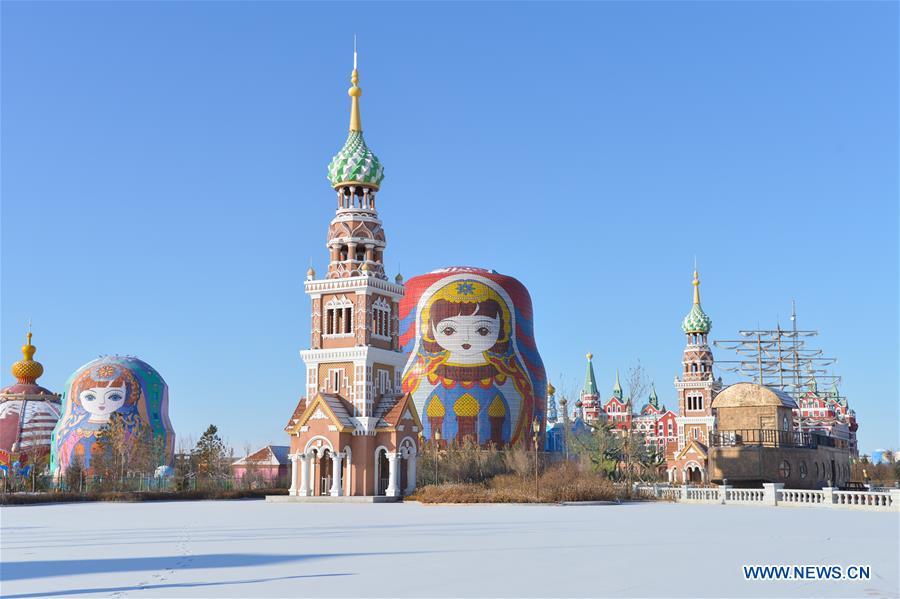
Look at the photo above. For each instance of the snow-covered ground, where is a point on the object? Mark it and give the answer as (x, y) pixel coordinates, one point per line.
(255, 549)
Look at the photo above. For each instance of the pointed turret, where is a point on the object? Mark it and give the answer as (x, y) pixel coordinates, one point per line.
(590, 382)
(617, 389)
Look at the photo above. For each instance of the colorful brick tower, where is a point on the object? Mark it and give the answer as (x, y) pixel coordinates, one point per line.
(696, 388)
(354, 350)
(354, 433)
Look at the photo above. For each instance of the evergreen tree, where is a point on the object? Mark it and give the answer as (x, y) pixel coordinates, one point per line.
(210, 454)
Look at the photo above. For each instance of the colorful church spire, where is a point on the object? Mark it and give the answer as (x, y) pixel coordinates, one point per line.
(617, 388)
(696, 320)
(355, 164)
(653, 399)
(590, 382)
(552, 415)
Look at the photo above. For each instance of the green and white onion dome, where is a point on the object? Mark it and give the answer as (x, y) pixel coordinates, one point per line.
(355, 163)
(696, 321)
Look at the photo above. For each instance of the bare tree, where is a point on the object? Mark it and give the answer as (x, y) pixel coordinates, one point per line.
(637, 383)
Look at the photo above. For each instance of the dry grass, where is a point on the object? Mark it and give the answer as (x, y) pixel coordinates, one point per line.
(565, 482)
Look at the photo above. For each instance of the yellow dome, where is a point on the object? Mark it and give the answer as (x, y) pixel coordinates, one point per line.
(27, 370)
(551, 389)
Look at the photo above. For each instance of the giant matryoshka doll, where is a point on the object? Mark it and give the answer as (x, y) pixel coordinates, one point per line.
(121, 387)
(473, 369)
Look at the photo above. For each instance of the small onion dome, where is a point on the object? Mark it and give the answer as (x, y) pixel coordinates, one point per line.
(579, 403)
(696, 320)
(311, 273)
(398, 279)
(550, 389)
(27, 370)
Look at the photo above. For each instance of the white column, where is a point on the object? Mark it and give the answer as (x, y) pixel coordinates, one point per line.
(392, 490)
(336, 490)
(293, 489)
(410, 473)
(304, 475)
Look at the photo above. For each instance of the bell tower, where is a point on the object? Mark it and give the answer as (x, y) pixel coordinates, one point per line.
(696, 386)
(354, 348)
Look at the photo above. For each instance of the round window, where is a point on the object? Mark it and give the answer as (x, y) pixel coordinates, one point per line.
(784, 469)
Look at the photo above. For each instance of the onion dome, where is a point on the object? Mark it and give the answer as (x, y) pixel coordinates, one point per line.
(310, 273)
(551, 390)
(27, 370)
(355, 163)
(696, 320)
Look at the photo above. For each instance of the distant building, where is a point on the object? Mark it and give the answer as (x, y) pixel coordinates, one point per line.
(28, 413)
(269, 465)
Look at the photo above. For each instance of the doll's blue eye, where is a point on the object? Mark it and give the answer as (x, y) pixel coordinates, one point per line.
(90, 397)
(115, 397)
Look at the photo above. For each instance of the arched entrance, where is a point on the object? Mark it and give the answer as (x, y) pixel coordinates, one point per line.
(325, 473)
(382, 471)
(693, 474)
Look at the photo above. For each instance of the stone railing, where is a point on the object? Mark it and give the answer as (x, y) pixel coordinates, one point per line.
(776, 494)
(871, 499)
(744, 495)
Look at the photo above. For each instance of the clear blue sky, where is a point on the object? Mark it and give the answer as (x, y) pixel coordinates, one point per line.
(163, 180)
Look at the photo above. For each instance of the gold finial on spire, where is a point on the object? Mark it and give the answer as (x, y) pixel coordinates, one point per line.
(696, 284)
(354, 92)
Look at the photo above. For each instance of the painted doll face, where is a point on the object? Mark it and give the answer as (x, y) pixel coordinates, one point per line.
(467, 337)
(100, 402)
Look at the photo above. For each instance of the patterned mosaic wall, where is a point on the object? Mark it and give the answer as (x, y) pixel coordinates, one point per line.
(473, 369)
(121, 385)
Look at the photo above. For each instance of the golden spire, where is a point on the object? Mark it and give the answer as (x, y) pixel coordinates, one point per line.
(696, 284)
(354, 92)
(27, 370)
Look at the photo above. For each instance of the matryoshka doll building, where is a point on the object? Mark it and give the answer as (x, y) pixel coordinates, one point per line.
(473, 370)
(354, 433)
(124, 388)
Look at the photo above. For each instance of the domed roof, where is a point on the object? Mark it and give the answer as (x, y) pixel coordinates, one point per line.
(696, 320)
(355, 163)
(28, 389)
(743, 395)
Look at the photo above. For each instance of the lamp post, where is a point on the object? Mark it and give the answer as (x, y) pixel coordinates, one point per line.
(536, 427)
(437, 440)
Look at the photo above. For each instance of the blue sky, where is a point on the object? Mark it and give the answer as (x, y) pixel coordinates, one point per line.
(164, 187)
